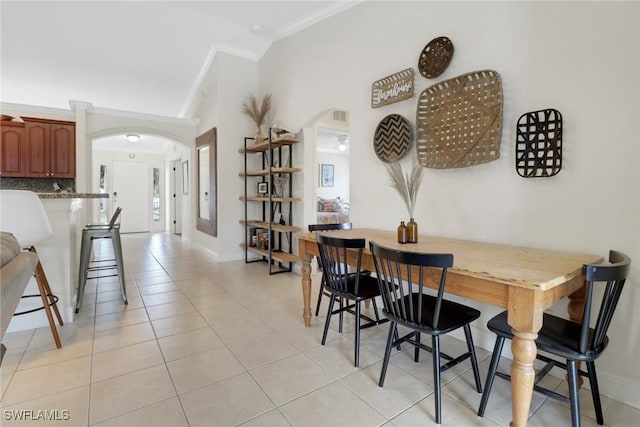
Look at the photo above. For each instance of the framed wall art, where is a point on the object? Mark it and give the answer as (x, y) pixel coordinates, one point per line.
(263, 188)
(326, 175)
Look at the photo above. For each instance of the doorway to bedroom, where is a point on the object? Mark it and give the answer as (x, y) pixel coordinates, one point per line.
(332, 167)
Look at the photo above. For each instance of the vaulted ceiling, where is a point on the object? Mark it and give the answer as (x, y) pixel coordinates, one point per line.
(144, 56)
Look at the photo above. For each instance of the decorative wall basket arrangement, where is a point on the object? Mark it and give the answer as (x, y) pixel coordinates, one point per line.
(459, 121)
(539, 144)
(435, 57)
(392, 138)
(394, 88)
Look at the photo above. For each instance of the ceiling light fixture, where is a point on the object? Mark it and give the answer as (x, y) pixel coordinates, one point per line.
(132, 137)
(256, 28)
(342, 142)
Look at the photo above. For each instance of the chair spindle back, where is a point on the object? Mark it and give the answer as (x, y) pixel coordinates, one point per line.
(334, 256)
(614, 274)
(393, 267)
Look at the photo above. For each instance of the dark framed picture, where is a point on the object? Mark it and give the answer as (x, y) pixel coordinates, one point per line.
(263, 188)
(326, 175)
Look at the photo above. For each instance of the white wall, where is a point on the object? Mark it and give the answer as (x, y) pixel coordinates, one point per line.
(230, 79)
(580, 58)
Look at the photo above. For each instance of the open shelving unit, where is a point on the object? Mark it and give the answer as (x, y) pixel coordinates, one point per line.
(276, 205)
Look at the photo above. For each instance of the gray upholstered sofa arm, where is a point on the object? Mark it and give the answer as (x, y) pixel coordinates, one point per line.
(16, 270)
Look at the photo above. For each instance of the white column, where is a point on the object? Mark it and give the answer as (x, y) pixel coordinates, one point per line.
(83, 150)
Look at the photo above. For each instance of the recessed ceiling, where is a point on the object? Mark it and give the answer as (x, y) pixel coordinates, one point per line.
(135, 56)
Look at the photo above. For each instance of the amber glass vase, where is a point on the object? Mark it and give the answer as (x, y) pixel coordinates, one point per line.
(412, 231)
(402, 233)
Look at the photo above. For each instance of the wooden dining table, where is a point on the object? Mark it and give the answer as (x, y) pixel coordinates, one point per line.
(525, 281)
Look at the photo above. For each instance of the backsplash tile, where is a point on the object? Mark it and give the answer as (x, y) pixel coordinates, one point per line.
(39, 185)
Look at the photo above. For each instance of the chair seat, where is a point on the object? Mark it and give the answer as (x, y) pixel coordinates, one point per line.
(452, 315)
(557, 336)
(368, 287)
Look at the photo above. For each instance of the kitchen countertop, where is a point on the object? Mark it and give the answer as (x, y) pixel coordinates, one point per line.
(61, 195)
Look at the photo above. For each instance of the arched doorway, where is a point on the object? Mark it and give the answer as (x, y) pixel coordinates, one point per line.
(137, 171)
(329, 180)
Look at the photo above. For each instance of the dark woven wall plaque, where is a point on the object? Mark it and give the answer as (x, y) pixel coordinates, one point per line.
(435, 57)
(539, 144)
(392, 139)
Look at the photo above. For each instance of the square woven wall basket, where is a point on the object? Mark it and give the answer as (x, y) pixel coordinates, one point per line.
(459, 121)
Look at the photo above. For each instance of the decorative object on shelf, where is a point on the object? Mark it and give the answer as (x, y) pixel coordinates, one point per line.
(394, 88)
(412, 231)
(459, 121)
(326, 175)
(402, 233)
(279, 131)
(279, 183)
(539, 144)
(392, 138)
(263, 187)
(407, 185)
(257, 113)
(435, 57)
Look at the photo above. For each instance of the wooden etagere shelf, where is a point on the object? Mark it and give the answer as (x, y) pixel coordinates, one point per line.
(269, 234)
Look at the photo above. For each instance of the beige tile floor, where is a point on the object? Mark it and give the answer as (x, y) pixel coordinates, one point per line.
(206, 344)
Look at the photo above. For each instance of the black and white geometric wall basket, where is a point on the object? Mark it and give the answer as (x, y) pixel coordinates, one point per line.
(392, 138)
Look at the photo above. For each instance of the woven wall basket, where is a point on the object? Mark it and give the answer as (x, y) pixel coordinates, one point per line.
(459, 121)
(435, 57)
(392, 138)
(539, 143)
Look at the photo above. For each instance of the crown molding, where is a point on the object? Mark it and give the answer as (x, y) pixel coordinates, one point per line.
(144, 116)
(36, 111)
(325, 13)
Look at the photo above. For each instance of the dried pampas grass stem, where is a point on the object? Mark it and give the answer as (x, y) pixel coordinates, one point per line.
(257, 113)
(407, 185)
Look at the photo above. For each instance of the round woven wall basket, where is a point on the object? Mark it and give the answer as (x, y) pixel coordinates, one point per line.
(392, 138)
(435, 57)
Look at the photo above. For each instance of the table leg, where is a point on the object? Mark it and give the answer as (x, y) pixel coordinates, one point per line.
(523, 375)
(525, 318)
(306, 288)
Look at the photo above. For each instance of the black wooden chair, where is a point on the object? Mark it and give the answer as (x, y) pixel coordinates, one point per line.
(326, 227)
(348, 285)
(407, 305)
(574, 342)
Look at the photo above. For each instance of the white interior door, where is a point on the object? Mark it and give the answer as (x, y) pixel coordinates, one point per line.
(131, 191)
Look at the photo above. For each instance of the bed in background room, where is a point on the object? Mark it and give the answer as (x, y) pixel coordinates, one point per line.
(332, 211)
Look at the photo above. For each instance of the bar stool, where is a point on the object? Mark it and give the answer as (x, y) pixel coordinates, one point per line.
(90, 233)
(23, 215)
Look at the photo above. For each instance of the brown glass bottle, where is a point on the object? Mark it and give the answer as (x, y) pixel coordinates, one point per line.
(412, 231)
(402, 233)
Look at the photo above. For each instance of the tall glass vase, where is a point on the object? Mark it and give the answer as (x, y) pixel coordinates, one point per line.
(412, 231)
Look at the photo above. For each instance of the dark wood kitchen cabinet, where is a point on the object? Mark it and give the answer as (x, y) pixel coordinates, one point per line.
(50, 148)
(12, 149)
